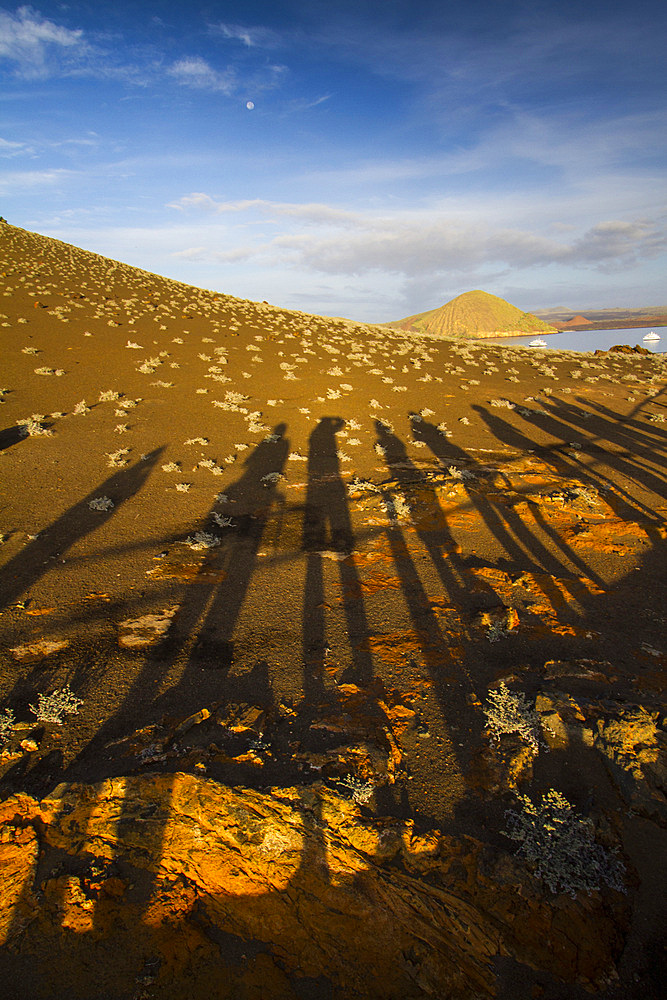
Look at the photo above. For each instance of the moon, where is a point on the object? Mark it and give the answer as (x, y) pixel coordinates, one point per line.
(250, 105)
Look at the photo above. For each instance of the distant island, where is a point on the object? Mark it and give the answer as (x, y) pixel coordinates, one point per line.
(475, 315)
(604, 319)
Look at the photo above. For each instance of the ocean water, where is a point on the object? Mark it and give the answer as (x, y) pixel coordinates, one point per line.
(589, 340)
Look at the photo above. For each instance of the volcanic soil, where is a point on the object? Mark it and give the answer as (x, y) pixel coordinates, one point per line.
(262, 576)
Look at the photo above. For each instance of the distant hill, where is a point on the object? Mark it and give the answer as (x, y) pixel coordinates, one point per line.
(575, 321)
(474, 315)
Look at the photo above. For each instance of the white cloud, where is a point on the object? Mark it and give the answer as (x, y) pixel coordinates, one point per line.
(234, 256)
(527, 46)
(422, 248)
(255, 37)
(91, 143)
(20, 180)
(306, 104)
(190, 253)
(38, 48)
(433, 240)
(616, 243)
(32, 43)
(196, 72)
(309, 212)
(8, 148)
(525, 146)
(204, 202)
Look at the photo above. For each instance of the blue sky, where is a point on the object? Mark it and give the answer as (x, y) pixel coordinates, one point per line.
(397, 154)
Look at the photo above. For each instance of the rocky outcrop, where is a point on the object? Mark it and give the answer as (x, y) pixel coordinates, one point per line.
(33, 652)
(174, 883)
(624, 349)
(139, 633)
(635, 747)
(630, 738)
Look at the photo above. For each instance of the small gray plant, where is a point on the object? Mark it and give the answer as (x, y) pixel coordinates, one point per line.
(509, 712)
(202, 540)
(361, 792)
(101, 503)
(460, 473)
(397, 508)
(52, 707)
(33, 427)
(221, 521)
(357, 485)
(271, 479)
(6, 726)
(559, 845)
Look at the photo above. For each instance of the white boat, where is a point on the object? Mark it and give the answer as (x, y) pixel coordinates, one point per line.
(652, 336)
(538, 343)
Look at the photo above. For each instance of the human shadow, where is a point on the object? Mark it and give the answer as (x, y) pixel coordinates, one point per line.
(24, 570)
(422, 501)
(327, 533)
(637, 454)
(523, 547)
(199, 649)
(589, 469)
(206, 620)
(199, 644)
(439, 648)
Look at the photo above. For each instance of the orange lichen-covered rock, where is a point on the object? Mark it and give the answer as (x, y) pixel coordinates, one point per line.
(267, 888)
(19, 849)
